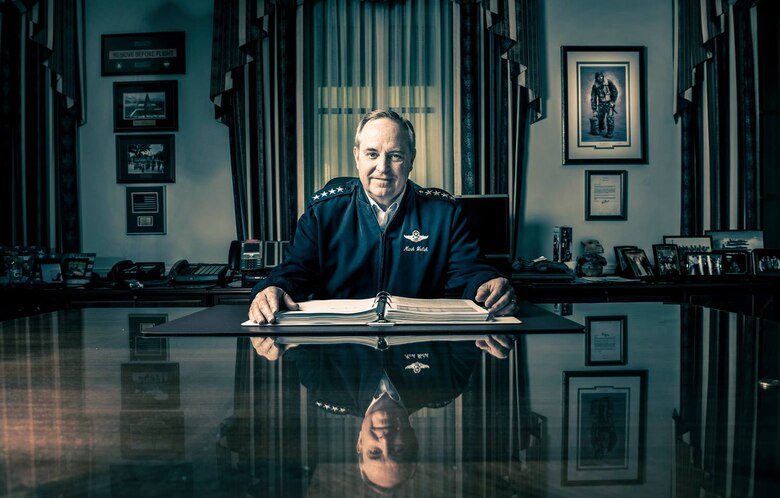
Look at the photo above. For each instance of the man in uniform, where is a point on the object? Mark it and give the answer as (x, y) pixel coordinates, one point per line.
(382, 233)
(603, 95)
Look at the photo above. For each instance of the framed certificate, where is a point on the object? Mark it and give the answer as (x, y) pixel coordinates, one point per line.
(605, 340)
(605, 195)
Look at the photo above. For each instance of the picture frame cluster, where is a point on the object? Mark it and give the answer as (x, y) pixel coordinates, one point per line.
(141, 107)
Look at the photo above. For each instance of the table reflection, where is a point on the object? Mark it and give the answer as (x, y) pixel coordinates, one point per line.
(91, 407)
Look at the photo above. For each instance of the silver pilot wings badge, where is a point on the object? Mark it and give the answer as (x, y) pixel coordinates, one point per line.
(416, 236)
(416, 367)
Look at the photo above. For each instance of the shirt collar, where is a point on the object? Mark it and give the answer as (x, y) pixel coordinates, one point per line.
(383, 216)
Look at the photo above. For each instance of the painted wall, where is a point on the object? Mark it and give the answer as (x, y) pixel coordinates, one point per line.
(555, 194)
(200, 220)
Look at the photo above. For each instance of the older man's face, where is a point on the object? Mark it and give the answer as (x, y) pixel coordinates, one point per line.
(384, 159)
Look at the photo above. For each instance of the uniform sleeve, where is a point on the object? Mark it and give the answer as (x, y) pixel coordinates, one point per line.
(466, 268)
(299, 273)
(613, 89)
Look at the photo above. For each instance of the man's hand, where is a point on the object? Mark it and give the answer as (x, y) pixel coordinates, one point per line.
(496, 345)
(497, 296)
(266, 304)
(268, 348)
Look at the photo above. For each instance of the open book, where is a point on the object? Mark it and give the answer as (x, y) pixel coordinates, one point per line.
(383, 310)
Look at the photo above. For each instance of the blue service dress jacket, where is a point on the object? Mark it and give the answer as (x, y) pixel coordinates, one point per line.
(343, 378)
(339, 252)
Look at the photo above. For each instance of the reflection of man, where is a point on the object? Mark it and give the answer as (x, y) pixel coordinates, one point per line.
(603, 95)
(381, 233)
(384, 388)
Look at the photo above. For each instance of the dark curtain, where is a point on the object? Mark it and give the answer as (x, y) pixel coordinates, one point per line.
(51, 32)
(704, 58)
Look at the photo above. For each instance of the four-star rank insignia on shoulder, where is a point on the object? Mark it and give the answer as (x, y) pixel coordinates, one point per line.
(435, 193)
(332, 191)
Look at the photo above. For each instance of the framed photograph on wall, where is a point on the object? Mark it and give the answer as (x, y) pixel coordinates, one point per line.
(145, 159)
(604, 427)
(142, 53)
(145, 210)
(606, 195)
(146, 105)
(605, 340)
(604, 113)
(736, 240)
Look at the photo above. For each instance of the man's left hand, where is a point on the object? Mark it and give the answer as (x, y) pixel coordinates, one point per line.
(497, 296)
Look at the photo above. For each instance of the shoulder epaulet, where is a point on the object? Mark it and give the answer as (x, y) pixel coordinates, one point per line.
(332, 191)
(435, 193)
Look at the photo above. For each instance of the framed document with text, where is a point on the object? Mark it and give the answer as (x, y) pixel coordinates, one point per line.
(605, 195)
(605, 340)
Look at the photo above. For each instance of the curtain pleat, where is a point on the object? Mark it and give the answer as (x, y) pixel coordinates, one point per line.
(50, 34)
(702, 40)
(747, 118)
(12, 220)
(716, 418)
(744, 402)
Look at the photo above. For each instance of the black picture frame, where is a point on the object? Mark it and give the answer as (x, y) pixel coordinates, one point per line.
(736, 240)
(146, 158)
(703, 264)
(151, 434)
(667, 260)
(638, 264)
(146, 106)
(606, 195)
(150, 386)
(734, 263)
(621, 264)
(766, 262)
(145, 348)
(624, 70)
(145, 210)
(606, 340)
(142, 53)
(596, 451)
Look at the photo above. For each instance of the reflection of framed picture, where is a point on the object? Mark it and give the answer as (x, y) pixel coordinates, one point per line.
(736, 240)
(146, 105)
(703, 263)
(152, 434)
(667, 260)
(621, 265)
(144, 348)
(605, 340)
(150, 386)
(766, 262)
(142, 53)
(638, 263)
(130, 480)
(605, 195)
(145, 159)
(686, 244)
(604, 105)
(604, 428)
(145, 210)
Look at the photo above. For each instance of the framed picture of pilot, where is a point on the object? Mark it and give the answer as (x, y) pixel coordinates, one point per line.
(604, 427)
(604, 105)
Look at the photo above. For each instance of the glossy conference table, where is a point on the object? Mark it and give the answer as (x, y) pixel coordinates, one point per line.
(91, 407)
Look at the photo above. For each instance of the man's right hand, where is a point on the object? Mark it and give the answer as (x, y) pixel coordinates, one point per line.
(266, 304)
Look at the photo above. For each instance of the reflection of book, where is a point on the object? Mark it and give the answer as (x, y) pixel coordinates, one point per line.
(384, 342)
(383, 310)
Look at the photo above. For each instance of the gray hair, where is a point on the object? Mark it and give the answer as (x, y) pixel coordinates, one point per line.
(392, 115)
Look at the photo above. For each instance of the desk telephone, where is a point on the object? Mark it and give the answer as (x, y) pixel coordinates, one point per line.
(127, 270)
(184, 273)
(254, 258)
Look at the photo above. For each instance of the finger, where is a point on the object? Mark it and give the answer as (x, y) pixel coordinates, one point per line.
(503, 340)
(289, 303)
(269, 305)
(482, 292)
(254, 312)
(496, 349)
